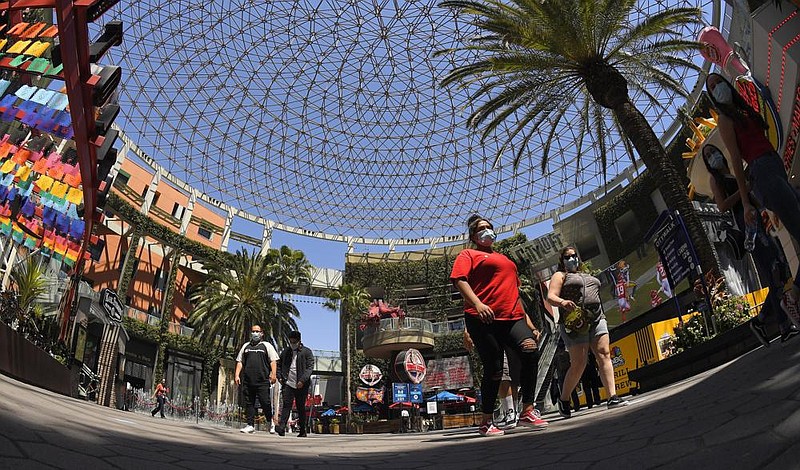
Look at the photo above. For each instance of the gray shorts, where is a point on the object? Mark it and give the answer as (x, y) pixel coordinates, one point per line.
(598, 329)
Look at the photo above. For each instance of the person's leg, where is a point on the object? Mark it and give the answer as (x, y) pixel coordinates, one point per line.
(250, 404)
(577, 361)
(586, 385)
(264, 397)
(161, 405)
(520, 338)
(491, 354)
(300, 399)
(287, 397)
(602, 351)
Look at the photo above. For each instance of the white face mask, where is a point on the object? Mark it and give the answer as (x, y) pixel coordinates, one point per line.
(722, 93)
(716, 160)
(486, 237)
(255, 337)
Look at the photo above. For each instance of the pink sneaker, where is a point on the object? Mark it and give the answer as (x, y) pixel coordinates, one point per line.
(489, 430)
(532, 418)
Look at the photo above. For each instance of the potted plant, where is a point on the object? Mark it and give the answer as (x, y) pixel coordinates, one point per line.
(334, 426)
(356, 424)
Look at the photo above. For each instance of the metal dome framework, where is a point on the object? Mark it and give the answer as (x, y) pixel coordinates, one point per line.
(328, 119)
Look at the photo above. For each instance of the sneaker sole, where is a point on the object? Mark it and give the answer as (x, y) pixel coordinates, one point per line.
(758, 336)
(496, 434)
(534, 426)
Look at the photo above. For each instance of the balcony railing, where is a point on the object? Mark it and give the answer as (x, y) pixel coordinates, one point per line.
(395, 334)
(448, 327)
(153, 320)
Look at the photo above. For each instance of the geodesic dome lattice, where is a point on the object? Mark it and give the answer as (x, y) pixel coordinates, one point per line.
(328, 115)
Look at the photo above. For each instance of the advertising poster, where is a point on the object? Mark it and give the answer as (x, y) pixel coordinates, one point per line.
(451, 373)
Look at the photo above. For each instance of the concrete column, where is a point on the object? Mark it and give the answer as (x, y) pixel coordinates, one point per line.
(107, 365)
(187, 214)
(151, 192)
(266, 237)
(226, 233)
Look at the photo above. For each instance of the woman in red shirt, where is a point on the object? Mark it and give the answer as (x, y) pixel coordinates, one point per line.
(495, 318)
(743, 132)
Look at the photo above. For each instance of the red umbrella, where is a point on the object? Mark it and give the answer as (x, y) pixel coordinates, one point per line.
(467, 399)
(403, 404)
(343, 409)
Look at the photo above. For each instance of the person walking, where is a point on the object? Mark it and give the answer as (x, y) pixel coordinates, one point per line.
(570, 289)
(767, 255)
(160, 394)
(495, 319)
(256, 370)
(296, 367)
(743, 132)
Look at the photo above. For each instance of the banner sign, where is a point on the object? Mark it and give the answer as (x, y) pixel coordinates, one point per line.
(112, 306)
(674, 247)
(415, 393)
(410, 366)
(450, 373)
(399, 392)
(369, 395)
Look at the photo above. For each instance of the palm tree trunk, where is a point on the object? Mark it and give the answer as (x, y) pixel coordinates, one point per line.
(638, 130)
(347, 372)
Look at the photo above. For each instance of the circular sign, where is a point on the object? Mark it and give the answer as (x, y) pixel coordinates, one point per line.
(410, 366)
(370, 374)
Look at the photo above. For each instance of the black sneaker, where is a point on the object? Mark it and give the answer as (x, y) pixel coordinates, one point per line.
(280, 430)
(761, 333)
(563, 409)
(616, 401)
(790, 333)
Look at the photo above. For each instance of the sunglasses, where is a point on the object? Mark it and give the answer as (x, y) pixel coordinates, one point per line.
(570, 256)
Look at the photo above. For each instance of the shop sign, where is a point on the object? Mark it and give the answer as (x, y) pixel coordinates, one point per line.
(415, 393)
(399, 393)
(370, 374)
(410, 365)
(112, 305)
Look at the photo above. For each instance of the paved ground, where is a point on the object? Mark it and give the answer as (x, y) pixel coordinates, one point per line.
(740, 416)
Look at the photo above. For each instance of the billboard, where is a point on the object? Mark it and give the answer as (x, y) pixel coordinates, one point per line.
(450, 373)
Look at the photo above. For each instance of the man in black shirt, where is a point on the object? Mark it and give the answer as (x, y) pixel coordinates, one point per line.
(258, 360)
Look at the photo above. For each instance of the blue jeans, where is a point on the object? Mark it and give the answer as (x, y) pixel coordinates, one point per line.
(771, 186)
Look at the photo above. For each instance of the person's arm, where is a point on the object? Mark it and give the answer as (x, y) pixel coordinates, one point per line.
(468, 344)
(309, 369)
(554, 293)
(728, 134)
(485, 313)
(236, 374)
(273, 375)
(535, 331)
(724, 203)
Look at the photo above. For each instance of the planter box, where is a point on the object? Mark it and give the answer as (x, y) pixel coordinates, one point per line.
(712, 353)
(460, 420)
(382, 426)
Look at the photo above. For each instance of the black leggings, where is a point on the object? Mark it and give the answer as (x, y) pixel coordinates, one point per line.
(490, 340)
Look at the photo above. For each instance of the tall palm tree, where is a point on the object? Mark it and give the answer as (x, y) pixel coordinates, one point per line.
(288, 268)
(235, 295)
(352, 301)
(538, 59)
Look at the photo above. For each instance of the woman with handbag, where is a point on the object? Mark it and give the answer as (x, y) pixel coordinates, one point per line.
(582, 326)
(767, 255)
(495, 319)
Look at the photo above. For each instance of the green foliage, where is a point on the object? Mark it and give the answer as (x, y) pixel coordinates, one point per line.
(29, 283)
(690, 334)
(636, 198)
(236, 294)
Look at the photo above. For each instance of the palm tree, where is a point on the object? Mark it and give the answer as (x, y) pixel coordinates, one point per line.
(352, 300)
(288, 268)
(235, 295)
(539, 59)
(30, 283)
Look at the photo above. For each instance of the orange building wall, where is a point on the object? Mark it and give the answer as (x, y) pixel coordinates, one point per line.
(143, 293)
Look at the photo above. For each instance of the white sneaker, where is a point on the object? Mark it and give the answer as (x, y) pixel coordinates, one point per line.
(272, 427)
(248, 429)
(509, 421)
